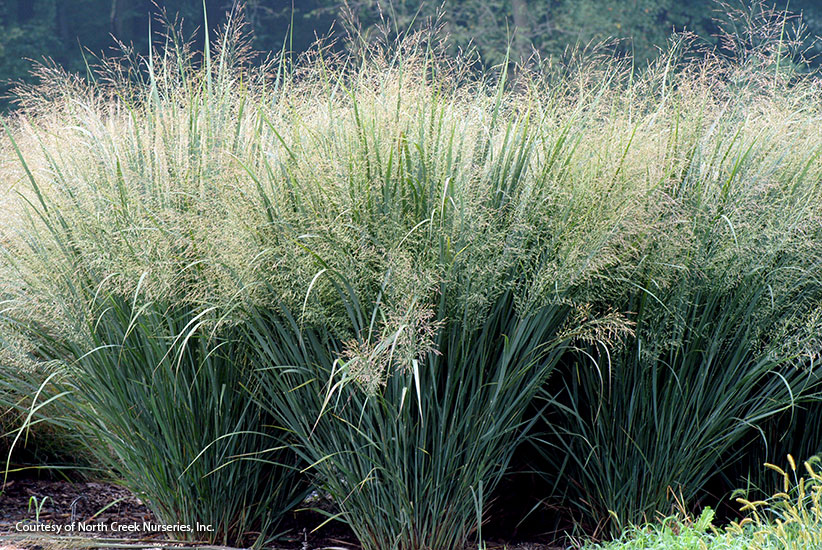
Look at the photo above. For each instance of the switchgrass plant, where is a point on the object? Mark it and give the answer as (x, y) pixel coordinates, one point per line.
(446, 266)
(35, 436)
(453, 248)
(651, 425)
(104, 280)
(166, 393)
(390, 255)
(411, 464)
(725, 312)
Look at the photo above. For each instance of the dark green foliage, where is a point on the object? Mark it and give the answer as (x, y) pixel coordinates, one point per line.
(655, 421)
(413, 465)
(166, 393)
(726, 351)
(37, 438)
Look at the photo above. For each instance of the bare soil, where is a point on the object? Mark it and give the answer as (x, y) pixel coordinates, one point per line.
(63, 502)
(53, 503)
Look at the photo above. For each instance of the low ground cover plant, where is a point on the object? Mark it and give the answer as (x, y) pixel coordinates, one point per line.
(363, 268)
(788, 520)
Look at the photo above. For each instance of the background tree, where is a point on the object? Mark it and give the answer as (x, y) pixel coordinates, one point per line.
(56, 29)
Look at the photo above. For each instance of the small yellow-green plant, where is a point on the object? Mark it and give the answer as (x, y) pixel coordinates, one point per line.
(790, 519)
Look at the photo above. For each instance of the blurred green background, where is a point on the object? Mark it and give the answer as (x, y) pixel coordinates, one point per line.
(65, 30)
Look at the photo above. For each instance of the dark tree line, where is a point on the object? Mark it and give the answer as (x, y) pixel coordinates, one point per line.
(62, 29)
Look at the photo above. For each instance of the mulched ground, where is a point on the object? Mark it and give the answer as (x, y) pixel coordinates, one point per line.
(59, 503)
(24, 502)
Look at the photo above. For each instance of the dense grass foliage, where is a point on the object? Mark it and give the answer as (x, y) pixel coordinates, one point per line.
(167, 395)
(443, 292)
(369, 267)
(36, 437)
(136, 344)
(712, 357)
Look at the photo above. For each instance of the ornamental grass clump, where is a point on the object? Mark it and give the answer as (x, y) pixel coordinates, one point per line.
(114, 284)
(34, 433)
(443, 229)
(724, 305)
